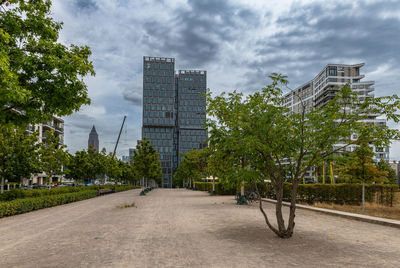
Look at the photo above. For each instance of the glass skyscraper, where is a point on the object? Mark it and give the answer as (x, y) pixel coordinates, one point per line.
(174, 111)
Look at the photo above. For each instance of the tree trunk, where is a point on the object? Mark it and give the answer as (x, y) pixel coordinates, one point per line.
(278, 207)
(213, 185)
(363, 198)
(2, 184)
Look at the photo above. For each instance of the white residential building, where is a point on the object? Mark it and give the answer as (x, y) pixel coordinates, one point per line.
(324, 87)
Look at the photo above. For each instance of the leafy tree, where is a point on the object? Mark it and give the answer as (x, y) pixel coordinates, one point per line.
(359, 165)
(39, 77)
(146, 162)
(384, 166)
(26, 155)
(18, 153)
(78, 166)
(52, 155)
(261, 139)
(192, 167)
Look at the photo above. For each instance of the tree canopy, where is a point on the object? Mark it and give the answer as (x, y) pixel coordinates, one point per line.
(146, 162)
(39, 76)
(259, 138)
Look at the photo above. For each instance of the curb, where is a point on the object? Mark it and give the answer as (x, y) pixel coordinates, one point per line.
(348, 215)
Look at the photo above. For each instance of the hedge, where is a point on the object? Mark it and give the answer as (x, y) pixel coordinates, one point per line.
(344, 193)
(220, 189)
(19, 206)
(19, 193)
(23, 205)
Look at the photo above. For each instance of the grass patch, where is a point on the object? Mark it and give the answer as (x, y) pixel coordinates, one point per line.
(132, 205)
(371, 209)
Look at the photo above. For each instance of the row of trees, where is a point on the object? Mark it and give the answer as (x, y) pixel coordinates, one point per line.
(39, 78)
(21, 155)
(256, 138)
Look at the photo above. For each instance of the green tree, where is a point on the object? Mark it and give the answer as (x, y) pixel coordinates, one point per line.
(359, 165)
(78, 166)
(146, 162)
(26, 155)
(52, 155)
(39, 77)
(264, 140)
(18, 153)
(384, 166)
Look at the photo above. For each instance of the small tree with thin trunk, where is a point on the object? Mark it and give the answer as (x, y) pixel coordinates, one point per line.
(52, 155)
(18, 153)
(146, 162)
(265, 140)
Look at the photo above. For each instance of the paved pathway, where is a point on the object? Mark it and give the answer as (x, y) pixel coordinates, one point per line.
(180, 228)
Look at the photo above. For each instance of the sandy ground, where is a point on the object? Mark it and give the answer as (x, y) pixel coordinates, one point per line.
(181, 228)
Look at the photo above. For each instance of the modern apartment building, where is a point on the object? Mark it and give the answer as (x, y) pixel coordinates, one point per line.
(323, 88)
(173, 111)
(57, 125)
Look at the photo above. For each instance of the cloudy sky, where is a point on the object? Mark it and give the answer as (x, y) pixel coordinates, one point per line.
(238, 42)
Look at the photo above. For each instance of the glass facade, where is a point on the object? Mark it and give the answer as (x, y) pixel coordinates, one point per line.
(191, 88)
(174, 111)
(159, 114)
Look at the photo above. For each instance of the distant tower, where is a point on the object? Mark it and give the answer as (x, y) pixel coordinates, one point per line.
(93, 139)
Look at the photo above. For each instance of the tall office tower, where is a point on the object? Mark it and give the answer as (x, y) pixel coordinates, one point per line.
(159, 111)
(323, 88)
(93, 140)
(173, 111)
(191, 88)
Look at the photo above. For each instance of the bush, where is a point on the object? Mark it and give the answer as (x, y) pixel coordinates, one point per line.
(344, 193)
(49, 198)
(220, 189)
(19, 193)
(19, 206)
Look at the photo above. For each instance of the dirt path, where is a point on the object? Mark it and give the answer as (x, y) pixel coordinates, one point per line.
(180, 228)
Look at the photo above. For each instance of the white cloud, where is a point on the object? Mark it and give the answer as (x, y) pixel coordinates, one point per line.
(238, 42)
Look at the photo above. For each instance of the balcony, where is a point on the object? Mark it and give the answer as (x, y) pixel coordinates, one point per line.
(48, 124)
(59, 128)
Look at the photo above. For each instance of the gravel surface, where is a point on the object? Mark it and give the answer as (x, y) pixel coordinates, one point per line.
(181, 228)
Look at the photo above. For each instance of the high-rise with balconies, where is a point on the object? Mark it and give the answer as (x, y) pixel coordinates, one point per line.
(324, 87)
(173, 111)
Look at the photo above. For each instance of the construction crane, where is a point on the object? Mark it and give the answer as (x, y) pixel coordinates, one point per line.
(119, 135)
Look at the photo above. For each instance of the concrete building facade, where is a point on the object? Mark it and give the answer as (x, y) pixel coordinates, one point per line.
(56, 124)
(173, 111)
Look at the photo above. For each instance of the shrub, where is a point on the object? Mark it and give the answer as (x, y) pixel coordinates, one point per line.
(344, 193)
(220, 189)
(19, 206)
(19, 193)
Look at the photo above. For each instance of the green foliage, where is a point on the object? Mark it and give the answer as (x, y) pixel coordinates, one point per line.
(146, 162)
(256, 138)
(18, 153)
(20, 201)
(344, 193)
(359, 166)
(52, 155)
(19, 206)
(385, 167)
(192, 167)
(39, 77)
(220, 188)
(20, 194)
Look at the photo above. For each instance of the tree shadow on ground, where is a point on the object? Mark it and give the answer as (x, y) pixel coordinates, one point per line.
(308, 245)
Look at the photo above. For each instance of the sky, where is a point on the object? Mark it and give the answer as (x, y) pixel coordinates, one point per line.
(238, 42)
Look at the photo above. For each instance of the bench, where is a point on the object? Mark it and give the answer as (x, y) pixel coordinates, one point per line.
(105, 191)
